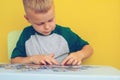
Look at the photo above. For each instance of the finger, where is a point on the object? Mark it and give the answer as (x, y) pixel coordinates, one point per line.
(65, 60)
(79, 62)
(51, 58)
(54, 61)
(69, 61)
(43, 62)
(75, 62)
(48, 61)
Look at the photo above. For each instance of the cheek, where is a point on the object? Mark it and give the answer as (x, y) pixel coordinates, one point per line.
(53, 24)
(37, 28)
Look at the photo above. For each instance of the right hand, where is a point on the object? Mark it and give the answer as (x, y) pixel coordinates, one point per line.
(43, 59)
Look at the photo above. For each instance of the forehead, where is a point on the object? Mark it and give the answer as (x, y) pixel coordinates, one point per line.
(41, 17)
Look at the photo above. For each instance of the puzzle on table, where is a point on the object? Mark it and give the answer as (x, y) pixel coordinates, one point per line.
(32, 67)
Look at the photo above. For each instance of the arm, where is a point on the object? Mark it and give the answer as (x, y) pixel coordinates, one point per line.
(76, 58)
(36, 59)
(21, 60)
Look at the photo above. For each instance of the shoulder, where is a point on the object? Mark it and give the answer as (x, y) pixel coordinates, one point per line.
(66, 32)
(28, 31)
(62, 29)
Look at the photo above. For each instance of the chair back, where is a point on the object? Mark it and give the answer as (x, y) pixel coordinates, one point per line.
(13, 37)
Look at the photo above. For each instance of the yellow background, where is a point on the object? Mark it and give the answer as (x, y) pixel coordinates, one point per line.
(97, 21)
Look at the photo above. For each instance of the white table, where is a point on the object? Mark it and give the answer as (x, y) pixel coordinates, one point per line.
(84, 72)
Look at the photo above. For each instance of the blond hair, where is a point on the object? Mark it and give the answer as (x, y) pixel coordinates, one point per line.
(39, 6)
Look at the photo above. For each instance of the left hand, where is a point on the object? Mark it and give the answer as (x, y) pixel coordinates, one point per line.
(73, 59)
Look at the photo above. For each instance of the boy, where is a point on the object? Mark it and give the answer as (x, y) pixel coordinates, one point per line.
(44, 42)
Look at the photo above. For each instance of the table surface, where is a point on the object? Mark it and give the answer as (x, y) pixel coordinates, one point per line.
(53, 72)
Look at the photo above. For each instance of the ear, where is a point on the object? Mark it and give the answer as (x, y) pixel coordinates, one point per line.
(26, 17)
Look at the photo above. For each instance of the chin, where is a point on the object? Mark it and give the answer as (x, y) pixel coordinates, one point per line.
(46, 34)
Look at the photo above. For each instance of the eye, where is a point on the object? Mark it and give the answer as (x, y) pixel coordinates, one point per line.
(40, 24)
(50, 20)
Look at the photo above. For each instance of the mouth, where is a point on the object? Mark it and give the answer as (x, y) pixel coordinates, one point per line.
(46, 33)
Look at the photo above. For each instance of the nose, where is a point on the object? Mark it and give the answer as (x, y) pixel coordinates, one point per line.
(46, 26)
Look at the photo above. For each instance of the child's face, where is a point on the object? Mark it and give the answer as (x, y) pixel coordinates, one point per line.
(43, 23)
